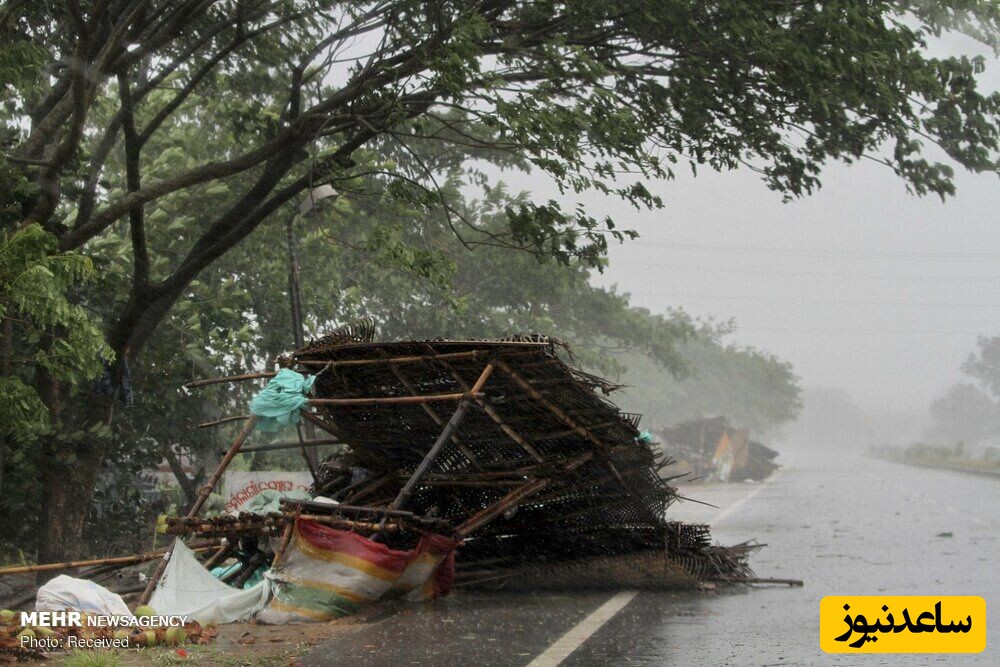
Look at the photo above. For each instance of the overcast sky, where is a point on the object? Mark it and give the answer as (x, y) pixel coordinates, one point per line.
(861, 286)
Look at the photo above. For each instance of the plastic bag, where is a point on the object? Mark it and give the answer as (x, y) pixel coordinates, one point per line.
(66, 593)
(278, 403)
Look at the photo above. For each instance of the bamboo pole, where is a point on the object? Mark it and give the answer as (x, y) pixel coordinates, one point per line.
(286, 539)
(234, 448)
(73, 564)
(224, 420)
(411, 359)
(390, 400)
(219, 556)
(199, 502)
(278, 526)
(247, 571)
(335, 480)
(351, 524)
(349, 509)
(321, 423)
(444, 437)
(392, 360)
(286, 445)
(194, 384)
(780, 582)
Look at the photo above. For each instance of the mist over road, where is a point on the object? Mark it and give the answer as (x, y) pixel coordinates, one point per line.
(845, 525)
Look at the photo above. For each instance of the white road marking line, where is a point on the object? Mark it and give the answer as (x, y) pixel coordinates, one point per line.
(569, 642)
(721, 516)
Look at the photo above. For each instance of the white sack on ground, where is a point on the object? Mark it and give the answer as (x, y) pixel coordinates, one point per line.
(65, 592)
(188, 589)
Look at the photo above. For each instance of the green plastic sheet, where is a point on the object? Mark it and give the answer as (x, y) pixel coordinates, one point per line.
(278, 404)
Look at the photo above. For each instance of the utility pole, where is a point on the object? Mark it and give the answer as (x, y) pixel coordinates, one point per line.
(298, 334)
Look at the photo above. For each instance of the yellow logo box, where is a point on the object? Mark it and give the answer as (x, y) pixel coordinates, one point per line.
(902, 624)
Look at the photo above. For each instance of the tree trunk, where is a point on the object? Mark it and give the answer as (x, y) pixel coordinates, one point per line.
(69, 489)
(70, 471)
(6, 368)
(3, 459)
(187, 484)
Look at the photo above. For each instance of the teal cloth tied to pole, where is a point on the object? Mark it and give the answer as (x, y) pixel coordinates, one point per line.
(278, 403)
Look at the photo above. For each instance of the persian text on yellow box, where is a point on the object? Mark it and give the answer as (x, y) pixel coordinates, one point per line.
(902, 624)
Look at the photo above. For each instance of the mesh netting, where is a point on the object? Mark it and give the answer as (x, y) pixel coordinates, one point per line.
(545, 478)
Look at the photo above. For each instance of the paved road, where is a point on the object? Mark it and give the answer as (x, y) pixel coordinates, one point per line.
(844, 525)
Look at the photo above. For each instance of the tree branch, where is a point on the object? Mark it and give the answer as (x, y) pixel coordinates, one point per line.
(133, 181)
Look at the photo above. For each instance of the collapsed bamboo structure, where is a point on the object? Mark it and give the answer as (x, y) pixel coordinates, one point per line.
(500, 443)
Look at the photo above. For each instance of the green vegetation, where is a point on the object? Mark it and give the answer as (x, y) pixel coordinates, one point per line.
(752, 388)
(965, 422)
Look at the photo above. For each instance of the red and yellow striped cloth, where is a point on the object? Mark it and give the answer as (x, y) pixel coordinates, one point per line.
(327, 573)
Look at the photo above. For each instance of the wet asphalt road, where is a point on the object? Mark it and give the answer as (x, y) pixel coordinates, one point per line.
(845, 525)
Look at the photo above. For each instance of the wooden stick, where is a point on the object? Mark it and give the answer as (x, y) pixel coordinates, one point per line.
(286, 539)
(203, 495)
(286, 445)
(224, 420)
(780, 582)
(73, 564)
(393, 360)
(230, 378)
(350, 509)
(390, 400)
(219, 556)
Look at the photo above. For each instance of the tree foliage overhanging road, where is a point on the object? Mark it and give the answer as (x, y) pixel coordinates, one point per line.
(144, 141)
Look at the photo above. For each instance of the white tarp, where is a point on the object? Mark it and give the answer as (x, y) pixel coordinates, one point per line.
(65, 592)
(188, 589)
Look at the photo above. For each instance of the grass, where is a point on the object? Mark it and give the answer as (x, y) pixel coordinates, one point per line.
(80, 658)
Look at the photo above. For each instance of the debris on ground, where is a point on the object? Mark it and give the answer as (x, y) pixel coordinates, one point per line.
(709, 449)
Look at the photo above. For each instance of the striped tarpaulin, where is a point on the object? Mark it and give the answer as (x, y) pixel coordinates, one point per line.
(327, 573)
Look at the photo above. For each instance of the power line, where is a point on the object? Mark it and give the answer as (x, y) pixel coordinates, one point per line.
(870, 332)
(724, 269)
(821, 253)
(928, 304)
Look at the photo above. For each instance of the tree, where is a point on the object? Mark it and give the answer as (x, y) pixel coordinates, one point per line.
(597, 94)
(984, 364)
(750, 387)
(964, 414)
